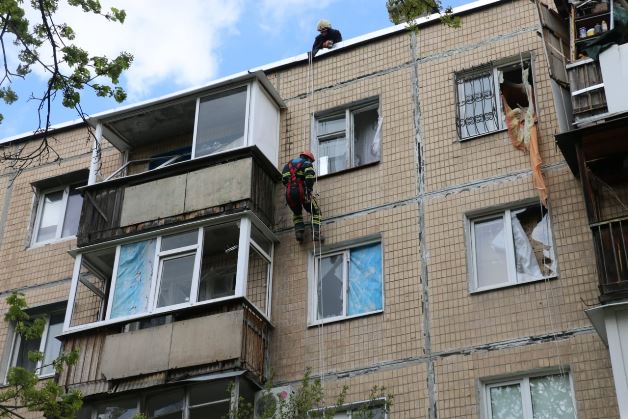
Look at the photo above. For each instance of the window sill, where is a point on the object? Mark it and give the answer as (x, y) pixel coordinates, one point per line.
(474, 137)
(54, 241)
(342, 319)
(499, 287)
(351, 169)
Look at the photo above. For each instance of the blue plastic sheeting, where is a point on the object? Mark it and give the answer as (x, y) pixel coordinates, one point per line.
(135, 270)
(365, 280)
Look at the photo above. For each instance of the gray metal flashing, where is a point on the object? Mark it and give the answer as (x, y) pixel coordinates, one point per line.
(597, 316)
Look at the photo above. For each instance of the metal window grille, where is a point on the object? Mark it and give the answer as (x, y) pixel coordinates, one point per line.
(477, 108)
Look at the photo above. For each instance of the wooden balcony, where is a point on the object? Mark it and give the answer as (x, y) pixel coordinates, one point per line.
(214, 338)
(232, 182)
(587, 88)
(611, 249)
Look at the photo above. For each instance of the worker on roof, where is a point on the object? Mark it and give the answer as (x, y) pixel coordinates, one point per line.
(298, 177)
(326, 38)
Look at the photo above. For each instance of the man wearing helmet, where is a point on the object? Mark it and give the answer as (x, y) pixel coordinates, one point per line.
(327, 37)
(298, 177)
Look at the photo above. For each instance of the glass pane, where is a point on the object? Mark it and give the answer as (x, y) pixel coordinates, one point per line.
(26, 346)
(50, 216)
(372, 413)
(72, 213)
(330, 288)
(331, 125)
(135, 270)
(176, 280)
(257, 279)
(53, 345)
(551, 397)
(96, 271)
(176, 241)
(365, 280)
(261, 240)
(534, 254)
(334, 155)
(221, 123)
(218, 410)
(490, 253)
(220, 261)
(209, 392)
(165, 405)
(506, 402)
(120, 409)
(366, 148)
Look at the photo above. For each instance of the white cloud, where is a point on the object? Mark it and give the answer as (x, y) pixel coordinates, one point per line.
(171, 41)
(276, 13)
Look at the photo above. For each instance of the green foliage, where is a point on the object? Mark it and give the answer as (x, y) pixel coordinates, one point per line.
(307, 400)
(407, 11)
(24, 390)
(70, 70)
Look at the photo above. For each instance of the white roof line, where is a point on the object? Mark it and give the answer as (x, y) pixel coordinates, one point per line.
(280, 63)
(52, 128)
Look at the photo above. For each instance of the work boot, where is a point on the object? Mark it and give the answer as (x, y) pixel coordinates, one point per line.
(299, 235)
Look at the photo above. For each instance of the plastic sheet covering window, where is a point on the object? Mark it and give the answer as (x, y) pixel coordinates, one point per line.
(534, 253)
(135, 270)
(365, 280)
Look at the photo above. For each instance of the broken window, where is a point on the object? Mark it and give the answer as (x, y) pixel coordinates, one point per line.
(479, 103)
(348, 283)
(220, 122)
(172, 271)
(348, 137)
(548, 396)
(511, 247)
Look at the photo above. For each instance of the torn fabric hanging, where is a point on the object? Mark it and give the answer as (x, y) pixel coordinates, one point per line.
(522, 126)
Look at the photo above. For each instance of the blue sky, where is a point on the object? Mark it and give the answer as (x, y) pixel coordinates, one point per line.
(195, 42)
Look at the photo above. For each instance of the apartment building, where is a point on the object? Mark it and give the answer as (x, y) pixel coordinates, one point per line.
(445, 275)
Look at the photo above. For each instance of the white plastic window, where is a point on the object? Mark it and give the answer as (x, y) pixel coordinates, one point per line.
(348, 283)
(58, 214)
(511, 247)
(348, 138)
(47, 344)
(548, 396)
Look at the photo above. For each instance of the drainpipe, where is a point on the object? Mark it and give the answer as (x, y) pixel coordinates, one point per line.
(95, 163)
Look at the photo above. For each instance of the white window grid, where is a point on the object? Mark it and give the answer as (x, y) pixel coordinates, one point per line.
(347, 411)
(40, 208)
(315, 285)
(15, 345)
(348, 133)
(244, 244)
(506, 217)
(526, 396)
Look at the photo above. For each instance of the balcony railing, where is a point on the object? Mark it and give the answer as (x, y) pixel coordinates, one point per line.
(218, 337)
(587, 88)
(611, 248)
(233, 182)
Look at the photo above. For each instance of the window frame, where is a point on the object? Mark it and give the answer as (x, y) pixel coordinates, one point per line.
(523, 381)
(348, 112)
(16, 341)
(40, 202)
(349, 408)
(246, 242)
(492, 69)
(505, 214)
(345, 251)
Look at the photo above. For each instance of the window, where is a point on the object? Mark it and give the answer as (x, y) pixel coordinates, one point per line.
(349, 137)
(47, 344)
(511, 247)
(548, 396)
(374, 409)
(220, 124)
(58, 214)
(479, 103)
(348, 283)
(172, 271)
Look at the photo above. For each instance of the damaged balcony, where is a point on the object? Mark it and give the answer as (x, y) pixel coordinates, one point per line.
(598, 155)
(170, 294)
(198, 154)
